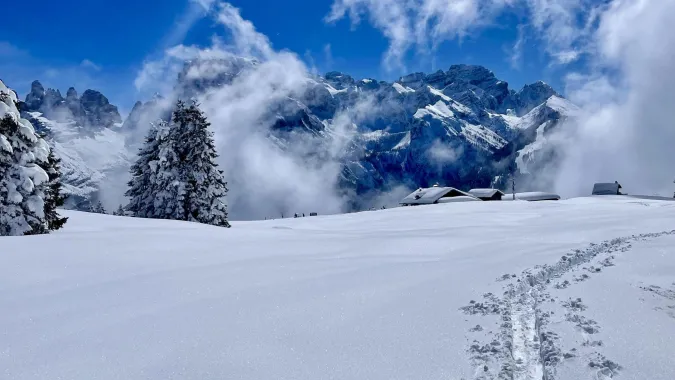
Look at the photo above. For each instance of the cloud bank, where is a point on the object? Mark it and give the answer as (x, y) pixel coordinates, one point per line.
(268, 177)
(626, 131)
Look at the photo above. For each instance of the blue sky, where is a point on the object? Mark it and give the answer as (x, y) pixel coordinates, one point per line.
(102, 45)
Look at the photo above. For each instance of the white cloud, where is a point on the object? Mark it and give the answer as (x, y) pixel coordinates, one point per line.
(516, 53)
(247, 41)
(563, 25)
(443, 153)
(205, 4)
(328, 56)
(7, 50)
(423, 24)
(390, 16)
(87, 64)
(265, 178)
(625, 132)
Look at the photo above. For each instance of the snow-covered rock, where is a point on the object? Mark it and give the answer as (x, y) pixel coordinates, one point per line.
(92, 111)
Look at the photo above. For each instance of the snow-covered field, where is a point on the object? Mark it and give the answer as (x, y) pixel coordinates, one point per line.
(577, 289)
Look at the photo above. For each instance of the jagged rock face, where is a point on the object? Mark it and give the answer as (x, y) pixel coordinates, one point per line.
(533, 95)
(71, 94)
(36, 96)
(91, 112)
(98, 110)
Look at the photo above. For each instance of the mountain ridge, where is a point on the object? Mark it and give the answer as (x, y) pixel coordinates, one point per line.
(463, 126)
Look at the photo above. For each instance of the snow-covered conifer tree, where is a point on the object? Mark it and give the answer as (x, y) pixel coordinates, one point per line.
(120, 211)
(204, 185)
(176, 176)
(22, 181)
(53, 196)
(142, 186)
(97, 208)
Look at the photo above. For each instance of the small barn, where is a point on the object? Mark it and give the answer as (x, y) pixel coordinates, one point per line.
(607, 189)
(487, 194)
(437, 194)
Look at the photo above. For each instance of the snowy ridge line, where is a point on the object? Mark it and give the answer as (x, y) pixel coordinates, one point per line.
(524, 350)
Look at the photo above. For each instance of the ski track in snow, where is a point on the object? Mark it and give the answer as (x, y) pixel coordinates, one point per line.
(523, 349)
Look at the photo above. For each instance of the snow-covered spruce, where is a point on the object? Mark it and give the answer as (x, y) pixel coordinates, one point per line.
(97, 208)
(176, 175)
(119, 211)
(27, 201)
(54, 196)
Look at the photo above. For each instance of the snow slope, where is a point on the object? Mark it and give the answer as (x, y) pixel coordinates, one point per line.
(453, 291)
(90, 160)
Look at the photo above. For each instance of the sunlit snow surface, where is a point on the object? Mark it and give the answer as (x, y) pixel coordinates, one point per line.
(374, 295)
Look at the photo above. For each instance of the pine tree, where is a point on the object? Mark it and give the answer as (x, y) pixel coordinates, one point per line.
(22, 181)
(142, 186)
(120, 211)
(53, 196)
(97, 208)
(176, 176)
(204, 185)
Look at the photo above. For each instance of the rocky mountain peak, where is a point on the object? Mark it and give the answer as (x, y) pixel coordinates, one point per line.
(339, 80)
(98, 110)
(71, 94)
(35, 96)
(92, 110)
(473, 74)
(532, 95)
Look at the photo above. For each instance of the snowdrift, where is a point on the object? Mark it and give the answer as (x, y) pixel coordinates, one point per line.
(567, 290)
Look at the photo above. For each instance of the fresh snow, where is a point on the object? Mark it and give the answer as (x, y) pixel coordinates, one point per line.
(439, 110)
(374, 135)
(448, 291)
(87, 159)
(405, 141)
(527, 121)
(530, 149)
(477, 134)
(402, 90)
(333, 91)
(562, 105)
(439, 94)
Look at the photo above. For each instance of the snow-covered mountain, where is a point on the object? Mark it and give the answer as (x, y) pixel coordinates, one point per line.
(463, 127)
(85, 132)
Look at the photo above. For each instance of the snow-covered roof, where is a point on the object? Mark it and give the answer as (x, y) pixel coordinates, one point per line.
(460, 198)
(532, 196)
(485, 193)
(432, 195)
(606, 189)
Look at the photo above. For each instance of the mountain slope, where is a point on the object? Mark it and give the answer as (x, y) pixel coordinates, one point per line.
(402, 293)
